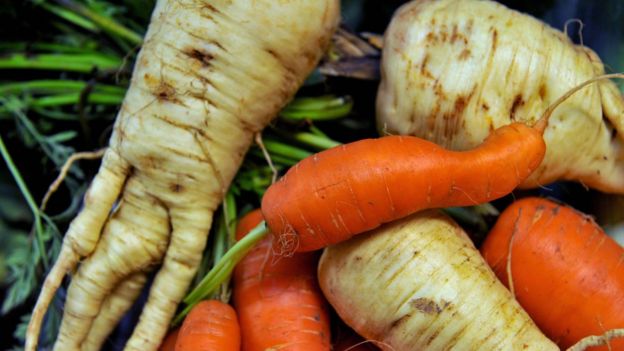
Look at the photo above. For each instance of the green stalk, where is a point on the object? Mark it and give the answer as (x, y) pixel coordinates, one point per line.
(315, 130)
(317, 115)
(49, 86)
(315, 103)
(74, 98)
(229, 209)
(316, 141)
(52, 114)
(68, 99)
(83, 63)
(105, 23)
(317, 108)
(229, 238)
(277, 159)
(29, 200)
(49, 47)
(281, 149)
(71, 17)
(221, 271)
(220, 243)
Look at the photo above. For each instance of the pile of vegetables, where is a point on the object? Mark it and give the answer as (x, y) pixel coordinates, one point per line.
(226, 215)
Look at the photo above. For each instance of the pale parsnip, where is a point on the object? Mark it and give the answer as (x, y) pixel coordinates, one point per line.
(454, 70)
(210, 74)
(420, 284)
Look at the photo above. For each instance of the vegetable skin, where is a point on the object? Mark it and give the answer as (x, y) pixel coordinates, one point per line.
(211, 325)
(337, 193)
(420, 284)
(278, 299)
(209, 76)
(455, 70)
(566, 272)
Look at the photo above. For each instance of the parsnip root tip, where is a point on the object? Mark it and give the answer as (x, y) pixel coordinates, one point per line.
(66, 262)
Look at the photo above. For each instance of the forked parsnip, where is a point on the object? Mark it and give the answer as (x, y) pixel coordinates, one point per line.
(113, 308)
(455, 70)
(210, 74)
(420, 284)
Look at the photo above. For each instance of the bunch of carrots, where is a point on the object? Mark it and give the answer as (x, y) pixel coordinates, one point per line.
(557, 263)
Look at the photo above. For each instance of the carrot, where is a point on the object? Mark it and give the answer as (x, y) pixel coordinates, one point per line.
(210, 75)
(279, 302)
(211, 325)
(565, 271)
(169, 343)
(419, 283)
(349, 189)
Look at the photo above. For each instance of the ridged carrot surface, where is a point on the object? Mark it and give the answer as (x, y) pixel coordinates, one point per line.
(210, 326)
(169, 342)
(566, 272)
(278, 299)
(349, 189)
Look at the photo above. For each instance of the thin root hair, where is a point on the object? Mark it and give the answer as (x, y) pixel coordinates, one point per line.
(597, 340)
(86, 155)
(542, 122)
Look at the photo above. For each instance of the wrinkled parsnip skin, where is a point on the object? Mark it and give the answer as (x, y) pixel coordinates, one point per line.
(113, 308)
(209, 75)
(455, 70)
(420, 284)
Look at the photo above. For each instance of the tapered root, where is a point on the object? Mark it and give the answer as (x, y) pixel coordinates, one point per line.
(67, 261)
(82, 235)
(188, 239)
(113, 309)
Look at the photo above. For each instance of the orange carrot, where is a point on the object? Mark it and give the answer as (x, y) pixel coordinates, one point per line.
(353, 188)
(566, 272)
(170, 341)
(210, 326)
(279, 302)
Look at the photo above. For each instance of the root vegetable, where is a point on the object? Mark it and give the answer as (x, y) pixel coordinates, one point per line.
(209, 75)
(420, 284)
(211, 325)
(116, 304)
(278, 300)
(455, 70)
(566, 272)
(349, 189)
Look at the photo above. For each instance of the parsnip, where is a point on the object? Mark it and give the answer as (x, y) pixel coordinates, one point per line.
(454, 70)
(420, 284)
(210, 74)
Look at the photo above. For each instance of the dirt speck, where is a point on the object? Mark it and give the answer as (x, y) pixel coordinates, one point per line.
(426, 305)
(176, 187)
(165, 92)
(494, 39)
(203, 57)
(465, 54)
(542, 91)
(400, 321)
(518, 102)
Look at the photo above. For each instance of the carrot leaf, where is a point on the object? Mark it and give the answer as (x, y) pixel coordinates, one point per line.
(222, 270)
